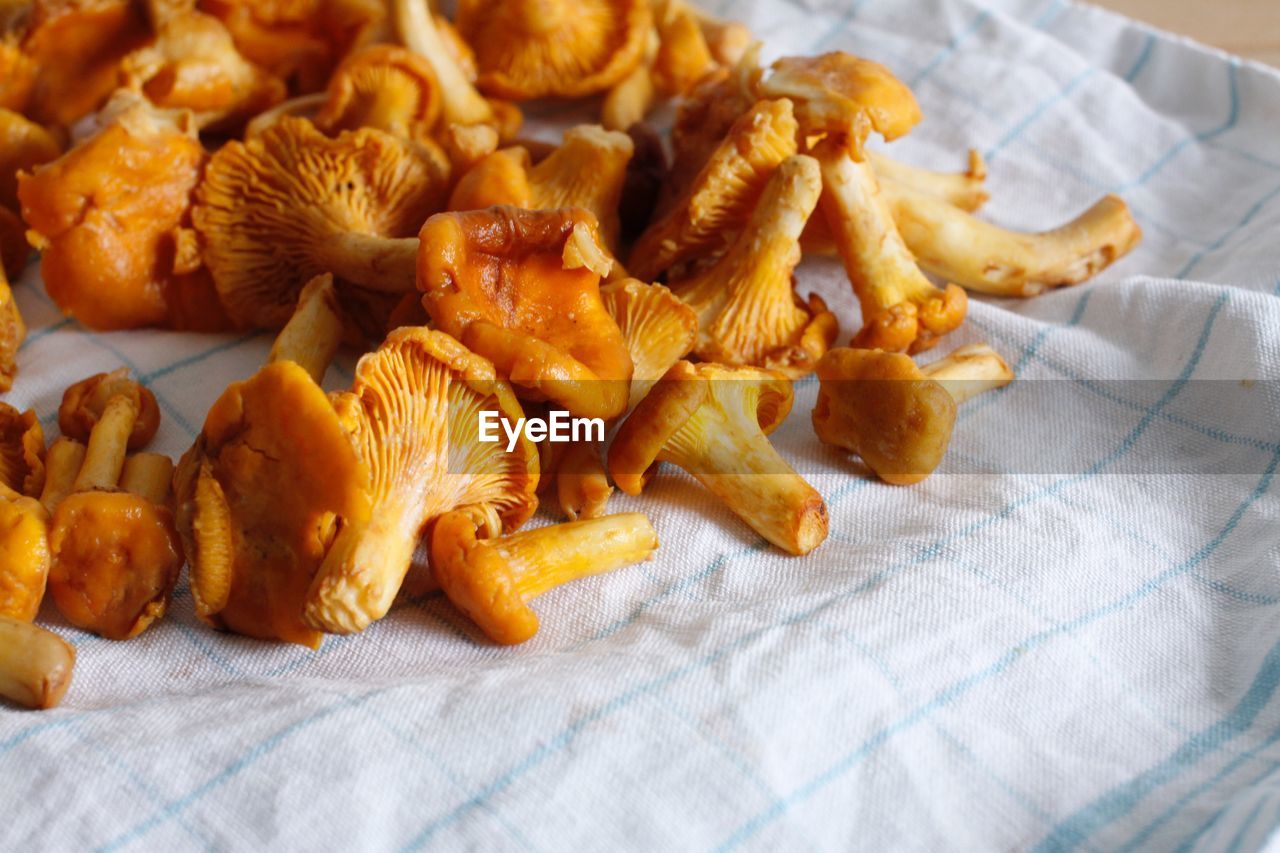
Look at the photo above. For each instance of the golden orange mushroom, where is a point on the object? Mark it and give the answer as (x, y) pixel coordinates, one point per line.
(84, 402)
(24, 555)
(492, 580)
(414, 415)
(12, 330)
(713, 421)
(553, 48)
(748, 312)
(35, 664)
(22, 451)
(384, 87)
(522, 288)
(898, 417)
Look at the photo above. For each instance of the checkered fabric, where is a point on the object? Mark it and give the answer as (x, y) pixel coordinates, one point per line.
(1083, 653)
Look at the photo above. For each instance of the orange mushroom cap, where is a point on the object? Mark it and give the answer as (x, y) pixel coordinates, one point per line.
(553, 48)
(522, 288)
(12, 328)
(24, 145)
(22, 451)
(24, 555)
(108, 216)
(258, 496)
(83, 404)
(384, 87)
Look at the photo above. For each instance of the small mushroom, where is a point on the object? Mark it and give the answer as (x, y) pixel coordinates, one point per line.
(84, 402)
(553, 48)
(493, 580)
(460, 103)
(898, 417)
(747, 311)
(76, 48)
(720, 199)
(658, 327)
(522, 288)
(192, 63)
(384, 87)
(110, 217)
(35, 664)
(115, 555)
(290, 204)
(713, 421)
(24, 555)
(683, 56)
(958, 247)
(414, 414)
(22, 453)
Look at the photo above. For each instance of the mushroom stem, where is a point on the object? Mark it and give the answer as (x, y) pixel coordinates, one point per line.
(552, 556)
(148, 475)
(901, 308)
(104, 457)
(35, 664)
(383, 264)
(582, 484)
(314, 332)
(753, 480)
(984, 257)
(462, 104)
(62, 463)
(964, 190)
(969, 371)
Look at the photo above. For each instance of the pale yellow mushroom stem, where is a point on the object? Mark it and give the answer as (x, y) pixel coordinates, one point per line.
(314, 332)
(35, 664)
(549, 557)
(148, 475)
(108, 441)
(969, 371)
(304, 106)
(62, 464)
(965, 190)
(383, 264)
(462, 104)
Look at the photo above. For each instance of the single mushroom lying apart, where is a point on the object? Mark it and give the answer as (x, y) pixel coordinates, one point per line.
(290, 204)
(840, 100)
(714, 421)
(84, 402)
(414, 415)
(958, 247)
(385, 87)
(492, 580)
(720, 199)
(553, 48)
(747, 311)
(110, 217)
(22, 452)
(192, 63)
(115, 553)
(35, 664)
(898, 417)
(522, 288)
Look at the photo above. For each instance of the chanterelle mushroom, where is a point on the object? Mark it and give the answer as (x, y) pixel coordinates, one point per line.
(658, 327)
(292, 203)
(84, 402)
(953, 245)
(12, 331)
(21, 451)
(384, 87)
(720, 199)
(553, 48)
(522, 288)
(110, 217)
(193, 64)
(414, 416)
(35, 664)
(897, 416)
(24, 554)
(24, 145)
(460, 102)
(492, 580)
(713, 421)
(747, 310)
(115, 553)
(840, 100)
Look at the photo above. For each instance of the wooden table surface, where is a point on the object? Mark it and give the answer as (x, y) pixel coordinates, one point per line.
(1247, 27)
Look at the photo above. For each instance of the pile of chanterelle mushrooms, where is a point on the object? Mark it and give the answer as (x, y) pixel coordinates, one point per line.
(352, 173)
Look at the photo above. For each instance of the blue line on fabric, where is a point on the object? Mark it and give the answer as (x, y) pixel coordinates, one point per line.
(1049, 15)
(1237, 841)
(225, 346)
(1233, 118)
(838, 28)
(1191, 841)
(1038, 112)
(266, 747)
(44, 332)
(1144, 56)
(1121, 800)
(1218, 243)
(951, 47)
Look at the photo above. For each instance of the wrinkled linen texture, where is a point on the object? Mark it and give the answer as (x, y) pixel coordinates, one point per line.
(1084, 654)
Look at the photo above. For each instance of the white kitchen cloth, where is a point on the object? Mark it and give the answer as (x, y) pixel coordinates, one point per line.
(1067, 638)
